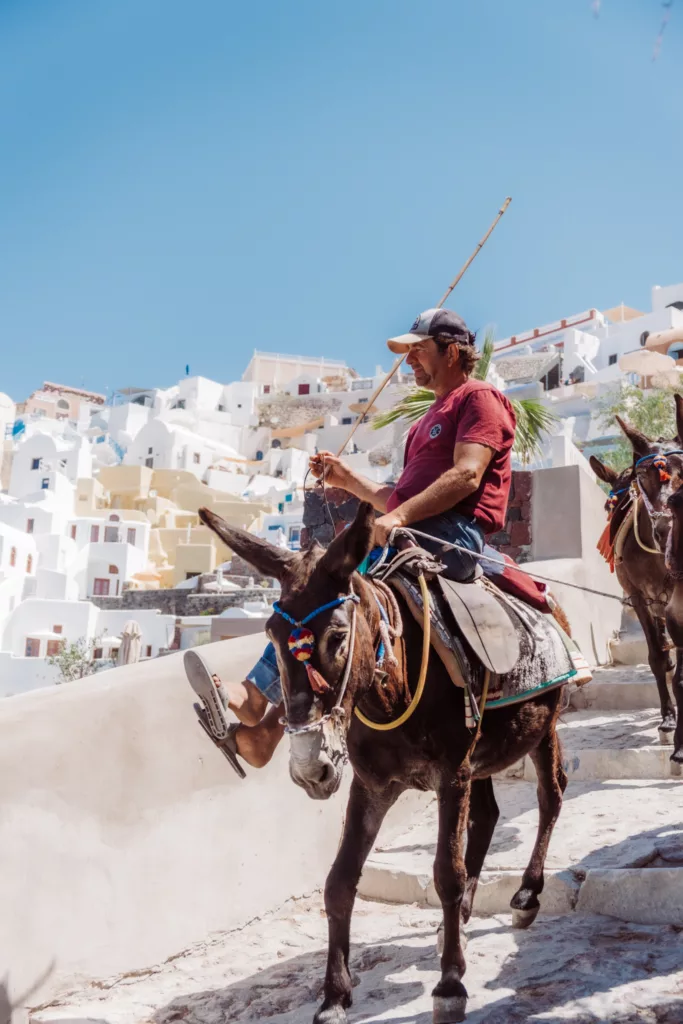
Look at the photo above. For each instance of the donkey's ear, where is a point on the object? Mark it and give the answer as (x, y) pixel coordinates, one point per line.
(352, 545)
(603, 472)
(679, 417)
(639, 442)
(265, 557)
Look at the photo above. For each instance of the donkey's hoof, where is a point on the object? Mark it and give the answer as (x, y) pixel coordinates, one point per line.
(524, 918)
(440, 939)
(332, 1015)
(449, 1010)
(666, 734)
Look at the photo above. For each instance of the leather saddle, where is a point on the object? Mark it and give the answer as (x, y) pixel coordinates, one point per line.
(484, 623)
(478, 607)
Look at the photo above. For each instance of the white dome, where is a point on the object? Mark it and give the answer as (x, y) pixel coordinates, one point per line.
(5, 401)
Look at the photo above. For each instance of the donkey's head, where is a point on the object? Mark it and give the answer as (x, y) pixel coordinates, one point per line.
(327, 617)
(657, 473)
(618, 483)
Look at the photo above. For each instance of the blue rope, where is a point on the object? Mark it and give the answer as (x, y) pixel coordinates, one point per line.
(658, 455)
(318, 611)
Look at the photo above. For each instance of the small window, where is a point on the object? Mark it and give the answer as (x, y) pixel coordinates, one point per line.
(148, 651)
(113, 570)
(259, 456)
(13, 557)
(180, 404)
(97, 653)
(239, 406)
(149, 463)
(35, 463)
(54, 647)
(266, 389)
(114, 519)
(304, 389)
(29, 564)
(101, 587)
(57, 629)
(149, 451)
(362, 401)
(196, 458)
(612, 360)
(221, 408)
(62, 463)
(32, 647)
(62, 404)
(74, 529)
(29, 525)
(94, 534)
(347, 421)
(295, 534)
(111, 534)
(131, 536)
(45, 483)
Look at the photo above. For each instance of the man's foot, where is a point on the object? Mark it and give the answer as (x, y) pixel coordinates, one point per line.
(228, 746)
(208, 688)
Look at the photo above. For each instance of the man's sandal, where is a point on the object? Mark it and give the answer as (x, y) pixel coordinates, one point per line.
(211, 711)
(227, 746)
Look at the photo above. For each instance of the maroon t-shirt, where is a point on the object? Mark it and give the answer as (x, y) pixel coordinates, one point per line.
(475, 412)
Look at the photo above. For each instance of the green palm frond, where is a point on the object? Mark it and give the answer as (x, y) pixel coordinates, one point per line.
(481, 370)
(533, 419)
(412, 406)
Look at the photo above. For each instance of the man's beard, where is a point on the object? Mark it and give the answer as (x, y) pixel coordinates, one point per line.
(422, 378)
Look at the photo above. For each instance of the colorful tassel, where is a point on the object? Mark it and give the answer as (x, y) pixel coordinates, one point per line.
(318, 683)
(606, 547)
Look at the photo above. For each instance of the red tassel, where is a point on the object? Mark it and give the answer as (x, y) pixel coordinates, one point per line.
(664, 476)
(318, 683)
(606, 548)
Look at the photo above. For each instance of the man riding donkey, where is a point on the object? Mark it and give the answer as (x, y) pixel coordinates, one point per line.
(454, 487)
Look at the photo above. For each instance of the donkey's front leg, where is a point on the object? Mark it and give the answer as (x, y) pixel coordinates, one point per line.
(677, 686)
(450, 878)
(364, 815)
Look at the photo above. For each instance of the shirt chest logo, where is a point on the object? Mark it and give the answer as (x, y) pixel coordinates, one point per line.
(435, 431)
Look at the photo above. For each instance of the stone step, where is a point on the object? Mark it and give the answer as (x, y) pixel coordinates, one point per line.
(617, 689)
(612, 745)
(568, 970)
(615, 851)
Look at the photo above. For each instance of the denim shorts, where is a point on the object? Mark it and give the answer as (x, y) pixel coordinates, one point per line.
(450, 526)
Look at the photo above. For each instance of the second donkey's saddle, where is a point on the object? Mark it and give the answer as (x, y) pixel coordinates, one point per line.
(475, 628)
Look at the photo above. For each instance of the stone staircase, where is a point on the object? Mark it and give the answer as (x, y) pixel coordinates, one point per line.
(617, 848)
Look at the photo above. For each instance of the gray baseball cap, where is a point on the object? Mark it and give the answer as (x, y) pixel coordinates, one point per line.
(431, 324)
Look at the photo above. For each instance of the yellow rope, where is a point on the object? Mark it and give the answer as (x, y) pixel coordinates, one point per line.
(651, 551)
(426, 638)
(484, 697)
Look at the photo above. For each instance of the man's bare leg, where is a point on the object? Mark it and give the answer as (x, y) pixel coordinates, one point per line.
(257, 743)
(244, 699)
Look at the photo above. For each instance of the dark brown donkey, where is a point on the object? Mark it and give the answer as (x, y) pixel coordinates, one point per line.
(433, 750)
(641, 568)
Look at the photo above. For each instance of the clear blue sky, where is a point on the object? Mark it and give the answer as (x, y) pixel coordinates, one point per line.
(183, 182)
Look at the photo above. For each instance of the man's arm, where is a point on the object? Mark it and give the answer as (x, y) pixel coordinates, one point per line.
(337, 474)
(469, 465)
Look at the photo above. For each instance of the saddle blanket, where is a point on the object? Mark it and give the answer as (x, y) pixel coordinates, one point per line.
(544, 660)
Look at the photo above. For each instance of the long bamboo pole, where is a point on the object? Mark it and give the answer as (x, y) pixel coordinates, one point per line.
(456, 280)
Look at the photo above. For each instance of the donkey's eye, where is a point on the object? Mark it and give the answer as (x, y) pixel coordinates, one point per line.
(336, 639)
